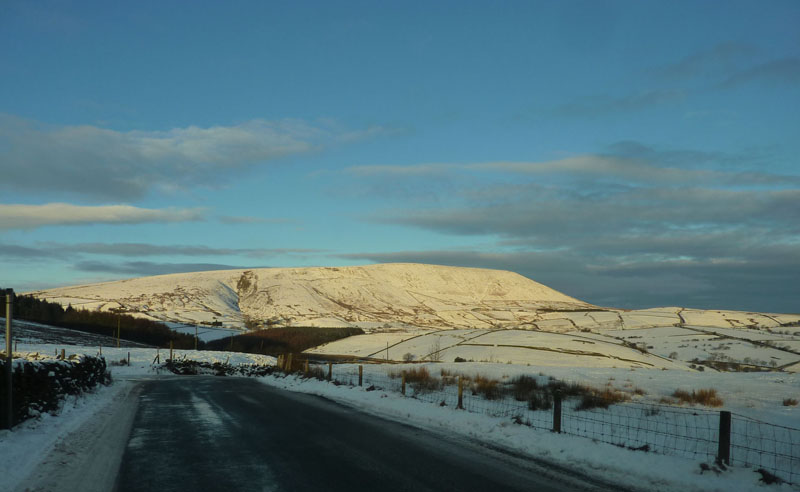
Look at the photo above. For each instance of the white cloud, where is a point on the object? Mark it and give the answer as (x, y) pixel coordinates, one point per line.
(104, 163)
(34, 216)
(591, 166)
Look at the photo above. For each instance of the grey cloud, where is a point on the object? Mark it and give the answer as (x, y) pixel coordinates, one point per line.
(142, 249)
(146, 268)
(783, 71)
(634, 227)
(720, 58)
(603, 104)
(107, 164)
(61, 250)
(17, 252)
(566, 214)
(623, 162)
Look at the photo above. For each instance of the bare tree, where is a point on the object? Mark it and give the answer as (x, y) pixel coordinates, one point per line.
(435, 350)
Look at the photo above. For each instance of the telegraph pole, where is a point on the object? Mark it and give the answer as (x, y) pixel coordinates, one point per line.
(9, 358)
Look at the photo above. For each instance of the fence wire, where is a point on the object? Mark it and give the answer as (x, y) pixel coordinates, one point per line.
(658, 428)
(677, 431)
(761, 445)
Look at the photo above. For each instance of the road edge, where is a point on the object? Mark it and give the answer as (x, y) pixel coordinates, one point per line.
(89, 457)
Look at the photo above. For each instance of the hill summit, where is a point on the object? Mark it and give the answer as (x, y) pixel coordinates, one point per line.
(372, 296)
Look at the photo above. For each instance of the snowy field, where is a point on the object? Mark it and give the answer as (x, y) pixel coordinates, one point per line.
(661, 347)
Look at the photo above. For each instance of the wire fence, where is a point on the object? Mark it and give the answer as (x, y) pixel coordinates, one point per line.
(664, 429)
(771, 447)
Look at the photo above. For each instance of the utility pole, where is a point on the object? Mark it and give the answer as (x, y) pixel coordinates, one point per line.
(9, 359)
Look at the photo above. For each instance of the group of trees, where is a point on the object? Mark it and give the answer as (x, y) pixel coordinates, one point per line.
(275, 341)
(272, 341)
(104, 323)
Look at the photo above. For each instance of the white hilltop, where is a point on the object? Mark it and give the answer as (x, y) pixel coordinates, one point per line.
(372, 296)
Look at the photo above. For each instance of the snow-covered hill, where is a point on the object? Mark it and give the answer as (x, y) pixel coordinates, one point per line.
(379, 297)
(405, 307)
(375, 296)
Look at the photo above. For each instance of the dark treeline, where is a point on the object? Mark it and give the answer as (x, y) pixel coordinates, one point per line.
(275, 341)
(104, 323)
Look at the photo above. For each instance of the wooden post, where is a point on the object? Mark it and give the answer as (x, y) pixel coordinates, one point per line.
(460, 405)
(101, 350)
(403, 384)
(280, 361)
(330, 370)
(557, 411)
(289, 363)
(724, 453)
(361, 375)
(195, 337)
(63, 355)
(170, 350)
(129, 359)
(9, 382)
(305, 366)
(119, 330)
(158, 354)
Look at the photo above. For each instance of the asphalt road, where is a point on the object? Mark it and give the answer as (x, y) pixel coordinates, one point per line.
(216, 433)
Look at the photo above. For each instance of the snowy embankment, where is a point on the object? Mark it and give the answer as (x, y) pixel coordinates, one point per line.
(637, 470)
(41, 382)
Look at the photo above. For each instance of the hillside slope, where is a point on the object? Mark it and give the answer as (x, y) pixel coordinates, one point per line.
(373, 296)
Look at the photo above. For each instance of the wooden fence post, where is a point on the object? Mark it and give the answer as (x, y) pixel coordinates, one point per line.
(403, 384)
(289, 363)
(63, 355)
(330, 370)
(724, 453)
(361, 375)
(460, 405)
(557, 411)
(170, 350)
(305, 367)
(101, 350)
(129, 359)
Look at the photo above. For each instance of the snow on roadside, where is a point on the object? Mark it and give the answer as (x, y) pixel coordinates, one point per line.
(27, 446)
(635, 469)
(23, 449)
(142, 358)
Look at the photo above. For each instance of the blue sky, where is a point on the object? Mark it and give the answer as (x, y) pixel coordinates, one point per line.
(630, 153)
